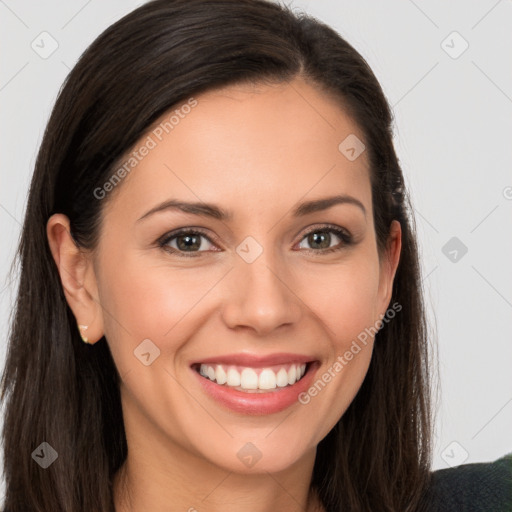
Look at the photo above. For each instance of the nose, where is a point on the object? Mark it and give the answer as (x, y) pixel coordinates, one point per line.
(261, 296)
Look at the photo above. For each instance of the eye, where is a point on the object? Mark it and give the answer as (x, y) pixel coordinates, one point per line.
(185, 242)
(188, 242)
(320, 239)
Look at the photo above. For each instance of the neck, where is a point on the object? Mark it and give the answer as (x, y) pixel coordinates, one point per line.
(147, 481)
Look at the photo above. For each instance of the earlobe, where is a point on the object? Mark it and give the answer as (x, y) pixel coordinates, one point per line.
(77, 278)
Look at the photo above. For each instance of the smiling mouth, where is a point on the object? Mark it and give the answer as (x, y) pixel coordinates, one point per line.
(253, 380)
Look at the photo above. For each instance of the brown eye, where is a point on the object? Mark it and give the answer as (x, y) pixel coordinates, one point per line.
(320, 239)
(185, 242)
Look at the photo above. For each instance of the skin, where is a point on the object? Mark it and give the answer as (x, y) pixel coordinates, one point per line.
(257, 151)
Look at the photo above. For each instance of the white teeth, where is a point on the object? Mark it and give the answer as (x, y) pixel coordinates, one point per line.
(234, 379)
(267, 379)
(282, 378)
(220, 375)
(292, 374)
(249, 379)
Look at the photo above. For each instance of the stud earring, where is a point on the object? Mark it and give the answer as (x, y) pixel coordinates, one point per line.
(81, 328)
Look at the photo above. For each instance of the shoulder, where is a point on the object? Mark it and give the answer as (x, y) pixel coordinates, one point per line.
(473, 487)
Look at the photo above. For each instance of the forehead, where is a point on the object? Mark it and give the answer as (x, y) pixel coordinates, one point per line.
(255, 145)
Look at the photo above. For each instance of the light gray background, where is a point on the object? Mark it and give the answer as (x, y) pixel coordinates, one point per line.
(453, 136)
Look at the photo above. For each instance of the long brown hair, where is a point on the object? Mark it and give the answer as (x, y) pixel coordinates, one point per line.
(58, 390)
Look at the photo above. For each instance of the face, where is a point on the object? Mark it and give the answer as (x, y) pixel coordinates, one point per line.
(253, 298)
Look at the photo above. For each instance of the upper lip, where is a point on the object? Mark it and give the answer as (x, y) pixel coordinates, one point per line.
(255, 360)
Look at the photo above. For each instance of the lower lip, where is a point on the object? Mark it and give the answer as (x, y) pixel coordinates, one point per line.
(258, 403)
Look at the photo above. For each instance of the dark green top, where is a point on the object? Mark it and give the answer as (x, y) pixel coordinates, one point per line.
(477, 487)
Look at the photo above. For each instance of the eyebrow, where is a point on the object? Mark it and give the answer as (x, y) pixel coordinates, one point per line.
(211, 210)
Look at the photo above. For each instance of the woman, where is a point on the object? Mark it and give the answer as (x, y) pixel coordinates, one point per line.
(220, 302)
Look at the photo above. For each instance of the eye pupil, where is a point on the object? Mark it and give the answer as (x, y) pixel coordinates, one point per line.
(191, 241)
(315, 238)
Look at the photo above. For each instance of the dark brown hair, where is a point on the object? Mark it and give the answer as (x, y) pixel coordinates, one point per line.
(59, 390)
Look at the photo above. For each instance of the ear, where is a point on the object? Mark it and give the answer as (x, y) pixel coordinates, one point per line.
(388, 266)
(77, 276)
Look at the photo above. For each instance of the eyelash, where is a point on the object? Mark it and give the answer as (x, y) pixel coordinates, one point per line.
(345, 236)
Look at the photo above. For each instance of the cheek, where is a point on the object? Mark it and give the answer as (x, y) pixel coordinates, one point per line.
(144, 301)
(345, 297)
(347, 307)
